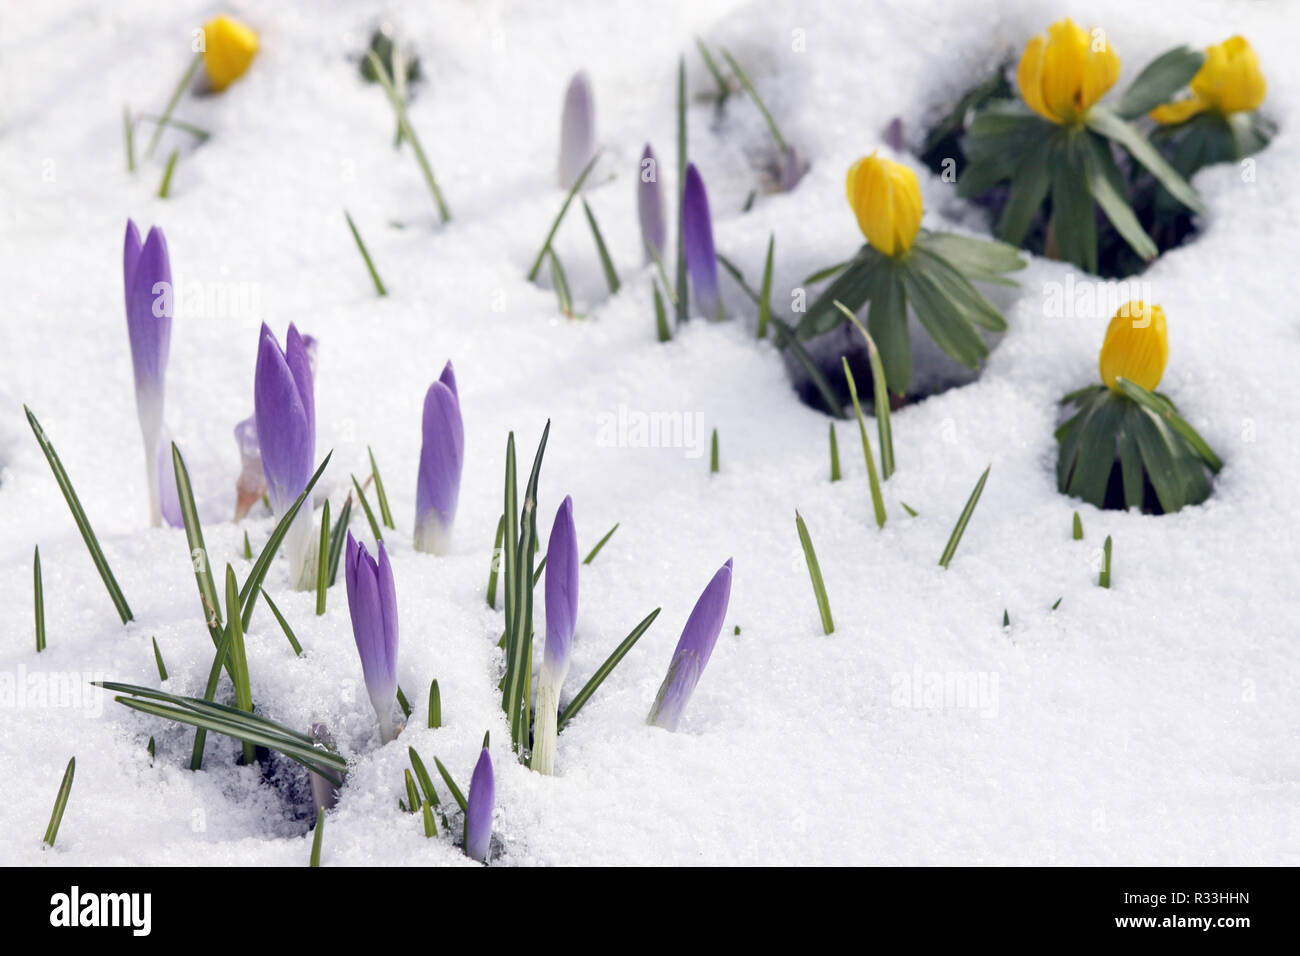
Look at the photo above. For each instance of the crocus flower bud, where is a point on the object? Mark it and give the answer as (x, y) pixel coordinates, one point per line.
(284, 409)
(478, 809)
(650, 206)
(147, 279)
(697, 245)
(442, 453)
(372, 602)
(252, 480)
(693, 650)
(886, 199)
(1063, 73)
(1136, 346)
(561, 618)
(228, 48)
(577, 130)
(1229, 81)
(792, 168)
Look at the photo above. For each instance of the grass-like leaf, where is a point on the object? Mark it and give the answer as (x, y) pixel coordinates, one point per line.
(559, 217)
(496, 563)
(606, 263)
(909, 509)
(365, 255)
(662, 330)
(370, 515)
(198, 550)
(835, 454)
(165, 187)
(232, 722)
(560, 282)
(404, 124)
(600, 544)
(338, 538)
(128, 133)
(724, 90)
(765, 294)
(284, 625)
(451, 784)
(385, 513)
(734, 271)
(604, 670)
(248, 548)
(317, 837)
(38, 599)
(519, 616)
(758, 101)
(430, 827)
(323, 559)
(238, 656)
(964, 519)
(1058, 602)
(79, 517)
(422, 775)
(253, 584)
(1077, 531)
(157, 656)
(403, 703)
(412, 795)
(881, 396)
(814, 574)
(873, 480)
(1103, 578)
(60, 803)
(175, 98)
(713, 453)
(435, 705)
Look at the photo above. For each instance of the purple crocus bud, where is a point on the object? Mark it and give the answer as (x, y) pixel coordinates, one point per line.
(650, 206)
(284, 409)
(442, 454)
(577, 130)
(372, 602)
(792, 169)
(169, 497)
(693, 650)
(697, 245)
(478, 809)
(252, 480)
(894, 134)
(147, 281)
(561, 617)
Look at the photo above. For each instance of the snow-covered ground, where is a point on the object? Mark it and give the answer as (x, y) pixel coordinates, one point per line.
(1155, 722)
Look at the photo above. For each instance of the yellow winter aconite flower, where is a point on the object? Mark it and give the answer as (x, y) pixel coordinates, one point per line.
(886, 199)
(228, 49)
(1229, 81)
(1136, 346)
(1063, 73)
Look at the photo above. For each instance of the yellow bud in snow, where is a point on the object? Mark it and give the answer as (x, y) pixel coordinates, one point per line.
(1136, 346)
(886, 199)
(228, 49)
(1063, 73)
(1229, 81)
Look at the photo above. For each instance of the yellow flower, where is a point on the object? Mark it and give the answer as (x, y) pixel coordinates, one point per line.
(1136, 346)
(886, 199)
(228, 49)
(1229, 81)
(1062, 74)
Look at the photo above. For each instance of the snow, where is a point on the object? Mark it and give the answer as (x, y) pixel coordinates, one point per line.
(1152, 723)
